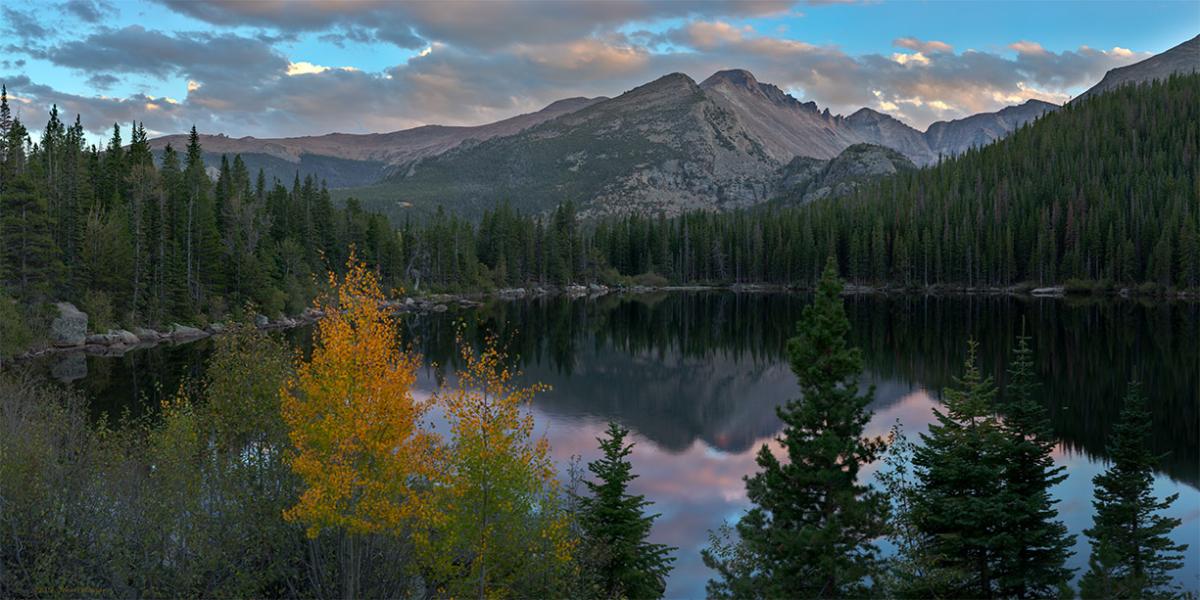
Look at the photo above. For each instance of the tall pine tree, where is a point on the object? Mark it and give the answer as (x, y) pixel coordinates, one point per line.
(1034, 545)
(1132, 553)
(813, 525)
(622, 563)
(959, 508)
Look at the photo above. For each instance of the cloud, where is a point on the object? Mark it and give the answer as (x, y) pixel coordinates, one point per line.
(929, 47)
(476, 24)
(197, 55)
(23, 25)
(89, 11)
(1028, 47)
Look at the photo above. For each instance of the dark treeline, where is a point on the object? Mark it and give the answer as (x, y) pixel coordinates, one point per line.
(139, 243)
(1104, 190)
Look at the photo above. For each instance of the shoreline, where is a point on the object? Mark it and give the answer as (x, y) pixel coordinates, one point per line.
(116, 343)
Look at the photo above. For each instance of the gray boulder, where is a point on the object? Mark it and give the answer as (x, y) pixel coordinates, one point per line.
(124, 337)
(147, 335)
(102, 339)
(183, 333)
(261, 321)
(70, 327)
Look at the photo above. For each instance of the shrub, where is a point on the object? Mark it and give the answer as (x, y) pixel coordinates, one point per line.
(98, 306)
(650, 280)
(14, 331)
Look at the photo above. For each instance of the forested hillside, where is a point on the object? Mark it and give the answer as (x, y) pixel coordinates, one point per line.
(139, 243)
(1105, 190)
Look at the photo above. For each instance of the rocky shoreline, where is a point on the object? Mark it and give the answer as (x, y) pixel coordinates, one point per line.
(69, 331)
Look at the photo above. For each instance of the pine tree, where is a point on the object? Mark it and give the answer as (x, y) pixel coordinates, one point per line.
(615, 526)
(959, 507)
(813, 526)
(1132, 553)
(1035, 544)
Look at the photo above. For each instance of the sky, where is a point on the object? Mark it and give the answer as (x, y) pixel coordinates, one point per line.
(278, 68)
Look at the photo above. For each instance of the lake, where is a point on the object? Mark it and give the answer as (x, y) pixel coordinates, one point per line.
(696, 377)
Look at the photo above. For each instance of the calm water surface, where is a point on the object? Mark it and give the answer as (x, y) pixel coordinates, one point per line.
(696, 377)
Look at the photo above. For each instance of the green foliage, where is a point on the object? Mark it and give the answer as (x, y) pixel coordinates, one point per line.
(164, 242)
(99, 309)
(1034, 545)
(813, 525)
(1132, 555)
(960, 509)
(14, 330)
(621, 562)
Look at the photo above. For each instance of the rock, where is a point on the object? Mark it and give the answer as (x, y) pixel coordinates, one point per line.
(261, 321)
(72, 366)
(1048, 291)
(409, 302)
(70, 327)
(181, 333)
(101, 339)
(147, 335)
(124, 337)
(574, 290)
(216, 328)
(439, 308)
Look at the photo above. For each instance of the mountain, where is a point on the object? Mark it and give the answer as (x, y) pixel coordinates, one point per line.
(1182, 59)
(666, 145)
(874, 127)
(348, 159)
(670, 145)
(784, 126)
(673, 145)
(806, 179)
(949, 138)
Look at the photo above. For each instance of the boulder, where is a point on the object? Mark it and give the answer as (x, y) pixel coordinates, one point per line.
(261, 321)
(124, 337)
(439, 308)
(101, 339)
(1048, 291)
(147, 335)
(216, 328)
(183, 333)
(70, 327)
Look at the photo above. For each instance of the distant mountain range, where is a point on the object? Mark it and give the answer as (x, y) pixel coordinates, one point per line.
(670, 145)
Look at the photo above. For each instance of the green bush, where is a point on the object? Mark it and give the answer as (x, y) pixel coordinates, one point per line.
(98, 306)
(1079, 286)
(650, 280)
(15, 336)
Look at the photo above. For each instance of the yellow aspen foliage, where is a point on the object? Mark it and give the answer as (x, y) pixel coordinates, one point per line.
(353, 420)
(501, 531)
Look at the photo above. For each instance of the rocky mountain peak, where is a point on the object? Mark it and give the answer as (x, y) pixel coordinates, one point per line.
(732, 77)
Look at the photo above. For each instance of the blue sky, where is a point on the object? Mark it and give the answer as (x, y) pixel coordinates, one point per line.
(273, 68)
